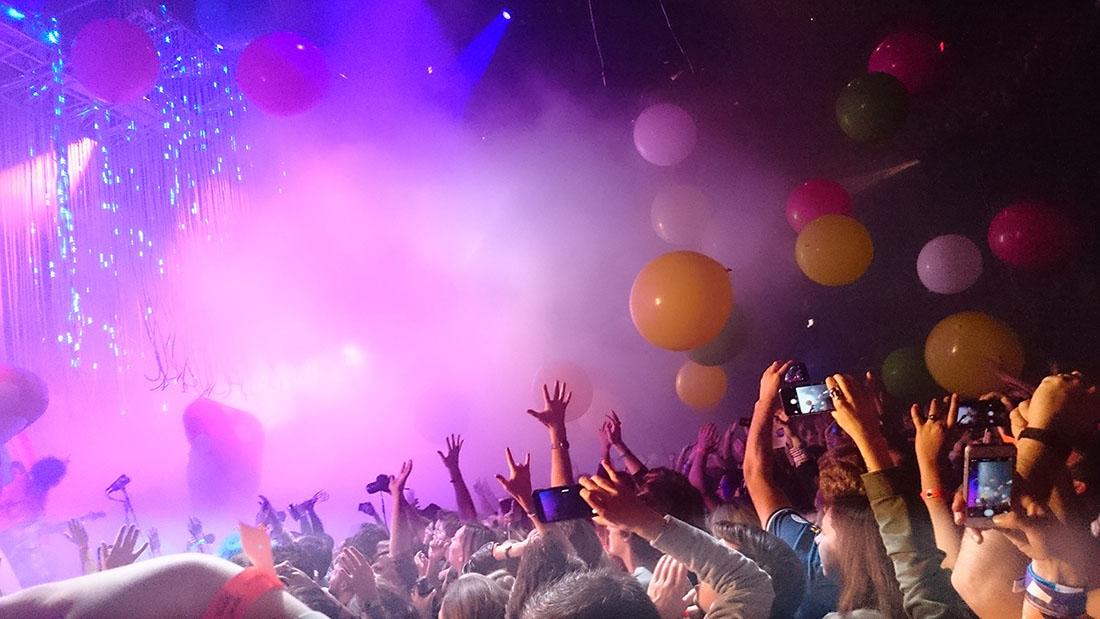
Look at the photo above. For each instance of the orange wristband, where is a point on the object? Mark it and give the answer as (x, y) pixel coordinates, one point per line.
(931, 493)
(239, 593)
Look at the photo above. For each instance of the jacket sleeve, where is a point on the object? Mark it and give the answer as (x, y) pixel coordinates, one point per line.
(743, 589)
(906, 533)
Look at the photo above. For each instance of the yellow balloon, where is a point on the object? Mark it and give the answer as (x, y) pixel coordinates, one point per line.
(701, 387)
(681, 300)
(966, 351)
(834, 250)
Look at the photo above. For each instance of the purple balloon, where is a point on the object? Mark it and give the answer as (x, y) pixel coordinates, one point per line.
(949, 264)
(283, 73)
(665, 134)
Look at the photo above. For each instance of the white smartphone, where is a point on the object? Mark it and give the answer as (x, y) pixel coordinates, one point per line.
(988, 472)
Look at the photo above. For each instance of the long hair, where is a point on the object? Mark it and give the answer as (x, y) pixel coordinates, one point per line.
(474, 596)
(546, 559)
(865, 574)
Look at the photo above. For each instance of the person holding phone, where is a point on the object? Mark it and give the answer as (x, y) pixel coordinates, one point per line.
(903, 524)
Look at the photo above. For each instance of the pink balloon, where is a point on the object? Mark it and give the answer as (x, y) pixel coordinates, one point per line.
(949, 264)
(576, 380)
(1031, 235)
(115, 60)
(814, 198)
(664, 134)
(914, 58)
(283, 73)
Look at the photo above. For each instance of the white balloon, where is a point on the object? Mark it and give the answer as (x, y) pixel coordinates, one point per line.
(679, 214)
(665, 134)
(949, 264)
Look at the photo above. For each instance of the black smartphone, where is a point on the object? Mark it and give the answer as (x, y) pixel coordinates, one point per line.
(423, 587)
(796, 375)
(981, 414)
(806, 400)
(988, 472)
(506, 505)
(560, 503)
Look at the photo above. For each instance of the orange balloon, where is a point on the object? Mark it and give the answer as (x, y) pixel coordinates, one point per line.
(701, 387)
(965, 353)
(834, 250)
(681, 300)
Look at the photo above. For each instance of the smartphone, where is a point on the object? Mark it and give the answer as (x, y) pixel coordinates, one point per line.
(560, 503)
(796, 375)
(506, 505)
(981, 414)
(988, 472)
(806, 400)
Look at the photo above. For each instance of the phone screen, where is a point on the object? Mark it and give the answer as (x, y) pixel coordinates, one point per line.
(989, 486)
(796, 374)
(981, 414)
(561, 503)
(807, 400)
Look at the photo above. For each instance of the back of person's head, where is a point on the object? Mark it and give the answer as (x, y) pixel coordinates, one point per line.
(310, 554)
(840, 473)
(739, 511)
(591, 594)
(857, 559)
(474, 596)
(470, 538)
(503, 578)
(671, 493)
(546, 559)
(394, 603)
(582, 535)
(366, 539)
(318, 599)
(774, 556)
(47, 472)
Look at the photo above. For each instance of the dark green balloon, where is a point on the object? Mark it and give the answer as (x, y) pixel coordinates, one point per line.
(872, 107)
(725, 346)
(905, 376)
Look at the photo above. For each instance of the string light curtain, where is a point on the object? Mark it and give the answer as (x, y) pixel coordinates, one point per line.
(94, 200)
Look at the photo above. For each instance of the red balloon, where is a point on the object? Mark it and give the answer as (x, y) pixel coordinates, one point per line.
(283, 73)
(914, 58)
(1031, 235)
(814, 198)
(115, 60)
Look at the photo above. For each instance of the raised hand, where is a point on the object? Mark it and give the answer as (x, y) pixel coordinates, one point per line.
(360, 574)
(553, 415)
(616, 503)
(454, 446)
(934, 429)
(670, 589)
(518, 482)
(856, 410)
(614, 429)
(707, 439)
(77, 534)
(122, 551)
(1065, 404)
(771, 380)
(603, 433)
(397, 482)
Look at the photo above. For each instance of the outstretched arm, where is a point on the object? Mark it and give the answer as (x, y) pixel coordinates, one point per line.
(401, 538)
(705, 445)
(465, 501)
(518, 485)
(766, 496)
(613, 428)
(553, 417)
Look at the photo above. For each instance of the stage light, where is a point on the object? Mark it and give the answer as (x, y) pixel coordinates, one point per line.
(18, 15)
(505, 14)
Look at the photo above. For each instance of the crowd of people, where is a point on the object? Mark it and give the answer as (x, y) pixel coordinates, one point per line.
(859, 512)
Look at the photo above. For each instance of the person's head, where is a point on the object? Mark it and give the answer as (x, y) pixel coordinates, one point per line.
(671, 493)
(739, 511)
(47, 473)
(473, 596)
(366, 539)
(319, 600)
(466, 541)
(586, 543)
(394, 603)
(852, 554)
(839, 474)
(310, 554)
(546, 559)
(773, 555)
(591, 594)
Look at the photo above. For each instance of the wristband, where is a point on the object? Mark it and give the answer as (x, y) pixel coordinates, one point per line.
(932, 493)
(1048, 438)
